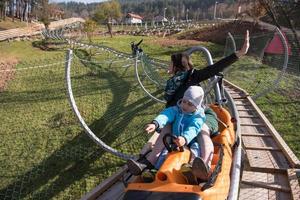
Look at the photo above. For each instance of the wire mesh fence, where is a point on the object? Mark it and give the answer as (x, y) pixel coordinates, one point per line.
(45, 154)
(275, 89)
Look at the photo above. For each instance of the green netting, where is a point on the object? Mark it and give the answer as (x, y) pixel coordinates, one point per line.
(155, 71)
(281, 103)
(253, 72)
(44, 152)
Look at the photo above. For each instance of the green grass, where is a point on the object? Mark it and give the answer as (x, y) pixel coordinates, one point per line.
(23, 51)
(49, 155)
(153, 47)
(45, 154)
(281, 106)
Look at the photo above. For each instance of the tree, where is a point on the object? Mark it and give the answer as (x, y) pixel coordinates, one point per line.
(3, 5)
(84, 14)
(12, 9)
(106, 12)
(89, 28)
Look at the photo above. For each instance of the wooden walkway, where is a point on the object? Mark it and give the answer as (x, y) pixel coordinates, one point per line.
(35, 29)
(269, 167)
(269, 171)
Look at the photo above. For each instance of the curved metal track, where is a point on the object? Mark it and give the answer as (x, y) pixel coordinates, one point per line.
(212, 82)
(284, 65)
(90, 133)
(142, 86)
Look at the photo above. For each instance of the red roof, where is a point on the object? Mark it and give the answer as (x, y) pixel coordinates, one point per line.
(134, 16)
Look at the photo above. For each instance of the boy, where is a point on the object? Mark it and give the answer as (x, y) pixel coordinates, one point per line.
(186, 118)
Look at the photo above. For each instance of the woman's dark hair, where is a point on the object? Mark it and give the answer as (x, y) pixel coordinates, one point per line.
(181, 62)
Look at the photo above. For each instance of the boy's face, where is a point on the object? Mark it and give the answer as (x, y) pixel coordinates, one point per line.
(187, 106)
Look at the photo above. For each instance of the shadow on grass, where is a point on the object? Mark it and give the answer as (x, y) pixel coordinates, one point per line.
(48, 94)
(56, 173)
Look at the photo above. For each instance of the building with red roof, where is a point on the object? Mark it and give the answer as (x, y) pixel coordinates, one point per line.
(132, 18)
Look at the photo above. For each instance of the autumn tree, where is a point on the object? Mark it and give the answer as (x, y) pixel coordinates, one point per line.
(106, 12)
(89, 28)
(43, 13)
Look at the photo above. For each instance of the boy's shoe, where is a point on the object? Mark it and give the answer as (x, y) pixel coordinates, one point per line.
(137, 167)
(200, 169)
(148, 175)
(186, 170)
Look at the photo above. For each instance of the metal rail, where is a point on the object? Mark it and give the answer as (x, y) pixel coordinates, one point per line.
(141, 84)
(284, 66)
(90, 133)
(271, 167)
(237, 151)
(212, 83)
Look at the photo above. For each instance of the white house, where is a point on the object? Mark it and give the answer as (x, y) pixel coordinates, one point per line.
(133, 19)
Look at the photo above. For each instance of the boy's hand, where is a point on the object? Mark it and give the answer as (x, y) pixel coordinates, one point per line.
(150, 128)
(180, 141)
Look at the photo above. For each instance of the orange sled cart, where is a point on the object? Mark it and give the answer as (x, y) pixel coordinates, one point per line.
(170, 184)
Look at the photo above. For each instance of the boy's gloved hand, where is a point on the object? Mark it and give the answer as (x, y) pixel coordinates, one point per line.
(150, 128)
(180, 141)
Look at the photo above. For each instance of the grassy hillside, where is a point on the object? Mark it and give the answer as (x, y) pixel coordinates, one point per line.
(44, 152)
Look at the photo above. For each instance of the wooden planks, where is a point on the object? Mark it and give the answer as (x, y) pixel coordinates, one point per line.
(106, 185)
(256, 135)
(294, 184)
(269, 174)
(294, 161)
(260, 185)
(113, 193)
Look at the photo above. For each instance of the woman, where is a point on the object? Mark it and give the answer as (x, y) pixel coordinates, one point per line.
(184, 76)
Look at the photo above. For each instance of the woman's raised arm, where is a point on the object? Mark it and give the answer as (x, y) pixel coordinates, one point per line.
(245, 47)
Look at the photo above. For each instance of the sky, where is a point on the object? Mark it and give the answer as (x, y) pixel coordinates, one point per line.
(83, 1)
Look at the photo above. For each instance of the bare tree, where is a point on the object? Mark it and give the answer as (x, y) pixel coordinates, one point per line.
(106, 12)
(3, 6)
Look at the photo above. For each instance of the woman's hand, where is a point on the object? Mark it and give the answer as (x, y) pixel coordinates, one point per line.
(150, 128)
(171, 69)
(180, 141)
(245, 47)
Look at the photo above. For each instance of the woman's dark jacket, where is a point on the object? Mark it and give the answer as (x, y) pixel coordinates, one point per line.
(195, 76)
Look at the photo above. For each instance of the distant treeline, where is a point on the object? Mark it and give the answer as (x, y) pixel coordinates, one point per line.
(179, 9)
(193, 9)
(22, 10)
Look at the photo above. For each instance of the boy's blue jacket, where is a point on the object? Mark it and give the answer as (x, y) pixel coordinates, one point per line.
(187, 125)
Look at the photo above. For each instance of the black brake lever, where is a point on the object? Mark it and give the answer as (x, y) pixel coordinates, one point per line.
(139, 42)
